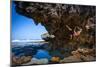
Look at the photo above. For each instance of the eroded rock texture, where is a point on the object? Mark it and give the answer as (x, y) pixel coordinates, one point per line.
(72, 25)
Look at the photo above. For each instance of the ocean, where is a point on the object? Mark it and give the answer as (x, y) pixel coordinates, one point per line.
(34, 48)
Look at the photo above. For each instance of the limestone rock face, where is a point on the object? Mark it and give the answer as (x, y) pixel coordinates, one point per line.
(80, 55)
(63, 21)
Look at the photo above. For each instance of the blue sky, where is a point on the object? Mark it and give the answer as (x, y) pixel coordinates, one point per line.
(24, 28)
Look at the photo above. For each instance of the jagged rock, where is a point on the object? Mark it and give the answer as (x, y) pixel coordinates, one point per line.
(55, 18)
(84, 51)
(20, 60)
(81, 54)
(78, 58)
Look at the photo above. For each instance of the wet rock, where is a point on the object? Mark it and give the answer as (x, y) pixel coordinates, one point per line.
(29, 51)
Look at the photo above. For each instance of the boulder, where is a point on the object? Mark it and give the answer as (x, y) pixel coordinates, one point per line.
(20, 60)
(47, 36)
(37, 61)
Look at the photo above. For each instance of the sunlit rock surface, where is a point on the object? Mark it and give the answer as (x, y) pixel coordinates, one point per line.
(47, 36)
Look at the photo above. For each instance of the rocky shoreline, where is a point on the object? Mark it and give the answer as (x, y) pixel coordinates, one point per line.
(44, 56)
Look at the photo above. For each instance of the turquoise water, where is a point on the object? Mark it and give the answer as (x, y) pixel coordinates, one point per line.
(42, 54)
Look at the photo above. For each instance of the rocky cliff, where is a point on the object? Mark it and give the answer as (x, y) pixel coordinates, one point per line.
(72, 25)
